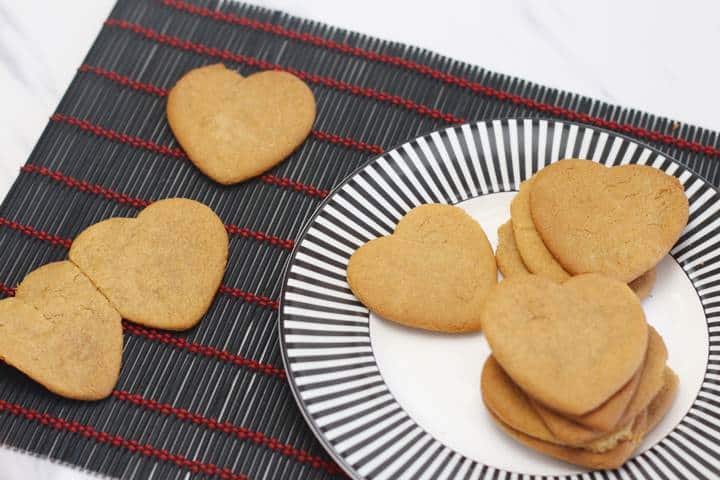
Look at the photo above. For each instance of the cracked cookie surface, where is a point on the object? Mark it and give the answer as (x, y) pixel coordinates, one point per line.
(618, 221)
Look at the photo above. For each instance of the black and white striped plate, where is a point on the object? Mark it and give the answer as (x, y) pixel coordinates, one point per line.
(392, 402)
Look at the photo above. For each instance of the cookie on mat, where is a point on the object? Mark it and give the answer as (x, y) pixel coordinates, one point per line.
(550, 338)
(161, 269)
(234, 127)
(61, 332)
(433, 272)
(618, 221)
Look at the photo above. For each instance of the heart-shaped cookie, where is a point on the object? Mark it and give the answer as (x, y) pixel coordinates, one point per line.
(434, 272)
(619, 221)
(510, 262)
(507, 255)
(600, 457)
(533, 251)
(161, 269)
(570, 346)
(61, 332)
(234, 128)
(509, 403)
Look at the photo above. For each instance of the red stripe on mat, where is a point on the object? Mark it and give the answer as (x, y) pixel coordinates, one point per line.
(117, 441)
(335, 84)
(258, 438)
(159, 91)
(84, 186)
(175, 152)
(204, 350)
(249, 297)
(33, 232)
(446, 78)
(166, 409)
(121, 198)
(7, 291)
(212, 424)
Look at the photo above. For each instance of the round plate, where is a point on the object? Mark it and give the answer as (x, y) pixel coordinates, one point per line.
(392, 402)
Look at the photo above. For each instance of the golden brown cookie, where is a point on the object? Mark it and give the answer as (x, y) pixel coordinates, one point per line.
(570, 430)
(615, 411)
(607, 416)
(507, 254)
(433, 272)
(617, 221)
(612, 458)
(653, 377)
(535, 254)
(161, 269)
(234, 128)
(621, 409)
(61, 332)
(587, 336)
(608, 459)
(510, 262)
(625, 404)
(510, 404)
(643, 285)
(662, 402)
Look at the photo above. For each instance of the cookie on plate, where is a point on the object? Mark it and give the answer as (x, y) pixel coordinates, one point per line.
(552, 338)
(618, 221)
(535, 255)
(434, 272)
(512, 411)
(510, 262)
(507, 255)
(643, 285)
(622, 407)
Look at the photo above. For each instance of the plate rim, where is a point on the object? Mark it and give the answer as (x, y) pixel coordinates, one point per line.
(316, 430)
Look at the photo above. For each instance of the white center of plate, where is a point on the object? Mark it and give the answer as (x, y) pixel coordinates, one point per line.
(436, 377)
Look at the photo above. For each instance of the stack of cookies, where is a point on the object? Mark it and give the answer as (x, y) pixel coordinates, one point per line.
(577, 216)
(576, 372)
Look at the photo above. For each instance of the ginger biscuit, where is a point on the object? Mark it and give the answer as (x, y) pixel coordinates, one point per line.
(161, 269)
(507, 255)
(533, 251)
(233, 127)
(434, 272)
(587, 336)
(61, 332)
(618, 221)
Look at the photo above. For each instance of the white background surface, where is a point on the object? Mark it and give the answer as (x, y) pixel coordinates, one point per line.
(659, 56)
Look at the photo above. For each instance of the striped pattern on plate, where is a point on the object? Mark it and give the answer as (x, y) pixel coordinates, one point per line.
(325, 332)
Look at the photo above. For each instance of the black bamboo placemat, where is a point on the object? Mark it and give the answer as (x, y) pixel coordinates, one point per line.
(213, 402)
